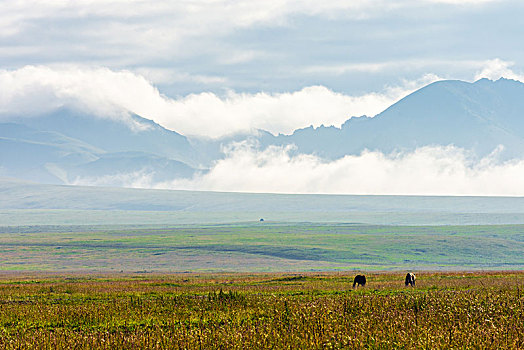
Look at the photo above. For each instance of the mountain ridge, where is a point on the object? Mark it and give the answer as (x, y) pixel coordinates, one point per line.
(65, 145)
(443, 113)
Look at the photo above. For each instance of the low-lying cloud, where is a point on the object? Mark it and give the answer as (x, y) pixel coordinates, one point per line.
(116, 94)
(135, 179)
(497, 68)
(425, 171)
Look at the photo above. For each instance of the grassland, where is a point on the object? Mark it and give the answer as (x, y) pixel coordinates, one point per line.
(252, 247)
(238, 311)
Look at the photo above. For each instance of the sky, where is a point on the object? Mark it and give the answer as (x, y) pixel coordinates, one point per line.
(211, 68)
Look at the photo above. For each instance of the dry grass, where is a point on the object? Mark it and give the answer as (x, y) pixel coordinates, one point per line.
(237, 311)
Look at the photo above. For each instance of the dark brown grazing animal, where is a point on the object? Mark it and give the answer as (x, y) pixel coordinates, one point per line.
(360, 280)
(410, 279)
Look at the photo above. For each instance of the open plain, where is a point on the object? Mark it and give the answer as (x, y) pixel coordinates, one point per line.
(261, 247)
(463, 310)
(194, 270)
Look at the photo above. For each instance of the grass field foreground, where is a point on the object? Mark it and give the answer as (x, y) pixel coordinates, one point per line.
(238, 311)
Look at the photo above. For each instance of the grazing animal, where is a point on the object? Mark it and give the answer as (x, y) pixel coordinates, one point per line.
(360, 280)
(410, 279)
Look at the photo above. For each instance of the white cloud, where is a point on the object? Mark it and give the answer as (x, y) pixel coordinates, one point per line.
(395, 65)
(425, 171)
(137, 179)
(496, 69)
(31, 90)
(168, 75)
(277, 112)
(115, 94)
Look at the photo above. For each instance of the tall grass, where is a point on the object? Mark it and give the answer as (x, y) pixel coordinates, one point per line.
(308, 311)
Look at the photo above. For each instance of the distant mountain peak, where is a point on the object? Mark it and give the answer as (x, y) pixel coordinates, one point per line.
(477, 116)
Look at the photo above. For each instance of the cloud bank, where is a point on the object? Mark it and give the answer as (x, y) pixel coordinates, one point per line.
(496, 69)
(33, 90)
(106, 93)
(425, 171)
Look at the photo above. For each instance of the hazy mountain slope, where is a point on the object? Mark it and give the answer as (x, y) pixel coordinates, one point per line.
(477, 116)
(140, 135)
(34, 155)
(153, 168)
(67, 147)
(23, 133)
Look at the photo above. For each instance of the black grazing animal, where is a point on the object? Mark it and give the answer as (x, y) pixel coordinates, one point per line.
(360, 280)
(410, 279)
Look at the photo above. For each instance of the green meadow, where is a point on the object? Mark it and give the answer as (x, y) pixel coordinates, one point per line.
(71, 228)
(262, 246)
(100, 268)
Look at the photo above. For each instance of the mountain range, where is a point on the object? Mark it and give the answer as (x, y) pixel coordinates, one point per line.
(66, 145)
(476, 116)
